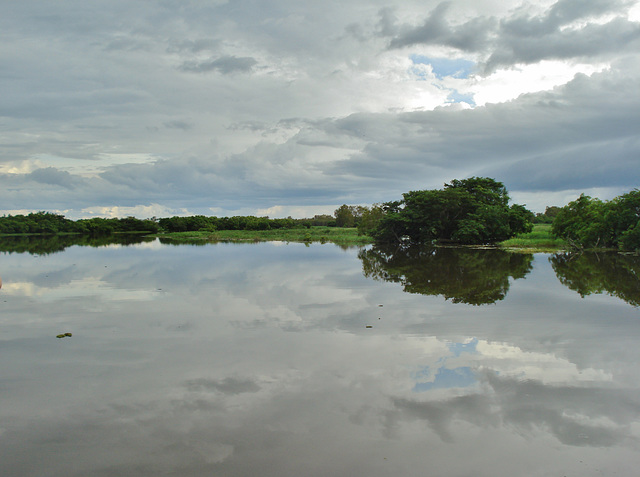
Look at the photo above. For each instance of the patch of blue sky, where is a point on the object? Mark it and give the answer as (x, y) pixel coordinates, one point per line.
(448, 378)
(456, 97)
(444, 67)
(458, 348)
(445, 377)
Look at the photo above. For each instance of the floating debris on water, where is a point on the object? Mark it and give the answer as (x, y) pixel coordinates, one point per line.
(64, 335)
(368, 326)
(380, 305)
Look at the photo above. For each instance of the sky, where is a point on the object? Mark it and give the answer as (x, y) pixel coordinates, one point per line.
(285, 108)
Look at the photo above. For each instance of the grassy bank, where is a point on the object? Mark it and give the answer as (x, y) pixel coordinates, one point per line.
(338, 235)
(538, 240)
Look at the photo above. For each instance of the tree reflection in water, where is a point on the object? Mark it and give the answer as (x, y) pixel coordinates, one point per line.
(593, 273)
(462, 275)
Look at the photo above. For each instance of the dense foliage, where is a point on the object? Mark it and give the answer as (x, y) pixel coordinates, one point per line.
(49, 224)
(469, 211)
(593, 223)
(201, 222)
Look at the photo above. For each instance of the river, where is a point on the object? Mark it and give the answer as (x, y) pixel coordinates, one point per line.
(276, 359)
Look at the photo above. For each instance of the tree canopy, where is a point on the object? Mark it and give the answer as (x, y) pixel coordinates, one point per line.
(593, 223)
(467, 211)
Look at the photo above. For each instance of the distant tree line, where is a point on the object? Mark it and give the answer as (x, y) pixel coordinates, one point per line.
(548, 215)
(48, 223)
(202, 222)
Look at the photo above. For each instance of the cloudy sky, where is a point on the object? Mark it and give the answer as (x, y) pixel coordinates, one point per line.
(283, 107)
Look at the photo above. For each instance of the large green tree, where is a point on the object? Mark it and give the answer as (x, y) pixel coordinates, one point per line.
(467, 211)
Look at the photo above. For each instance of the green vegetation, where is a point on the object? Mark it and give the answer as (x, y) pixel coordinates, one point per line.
(47, 223)
(539, 239)
(472, 211)
(341, 236)
(548, 216)
(588, 223)
(203, 223)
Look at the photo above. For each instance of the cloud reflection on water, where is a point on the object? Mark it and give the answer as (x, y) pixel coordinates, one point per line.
(255, 360)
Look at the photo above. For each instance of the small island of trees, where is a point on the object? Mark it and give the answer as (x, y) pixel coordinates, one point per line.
(472, 211)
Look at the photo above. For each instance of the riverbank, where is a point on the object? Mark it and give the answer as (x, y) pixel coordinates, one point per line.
(539, 240)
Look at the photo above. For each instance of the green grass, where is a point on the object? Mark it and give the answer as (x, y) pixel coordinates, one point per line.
(338, 235)
(539, 239)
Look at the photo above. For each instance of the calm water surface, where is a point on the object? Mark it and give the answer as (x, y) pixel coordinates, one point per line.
(291, 360)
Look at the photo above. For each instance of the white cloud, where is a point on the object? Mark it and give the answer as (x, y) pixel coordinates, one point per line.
(505, 85)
